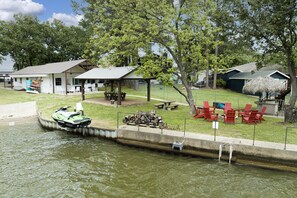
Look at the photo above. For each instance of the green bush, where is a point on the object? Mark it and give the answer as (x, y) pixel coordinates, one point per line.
(221, 83)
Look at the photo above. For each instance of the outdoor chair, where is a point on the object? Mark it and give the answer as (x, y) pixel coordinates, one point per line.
(77, 89)
(199, 113)
(230, 117)
(208, 116)
(259, 116)
(251, 118)
(227, 107)
(211, 108)
(246, 111)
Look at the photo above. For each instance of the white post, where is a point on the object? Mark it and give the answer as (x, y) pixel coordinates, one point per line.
(230, 153)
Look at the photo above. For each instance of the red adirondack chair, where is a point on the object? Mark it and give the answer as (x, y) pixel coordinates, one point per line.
(211, 108)
(251, 118)
(259, 116)
(208, 116)
(227, 107)
(230, 116)
(199, 113)
(246, 111)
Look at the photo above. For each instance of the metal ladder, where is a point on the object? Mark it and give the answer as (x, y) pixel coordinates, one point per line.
(230, 151)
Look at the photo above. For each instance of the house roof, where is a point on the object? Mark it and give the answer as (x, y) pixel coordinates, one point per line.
(252, 75)
(111, 73)
(52, 68)
(253, 67)
(244, 68)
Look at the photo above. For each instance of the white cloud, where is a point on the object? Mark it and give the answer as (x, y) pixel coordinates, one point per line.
(67, 19)
(10, 7)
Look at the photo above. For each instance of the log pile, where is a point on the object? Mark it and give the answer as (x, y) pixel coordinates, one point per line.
(146, 119)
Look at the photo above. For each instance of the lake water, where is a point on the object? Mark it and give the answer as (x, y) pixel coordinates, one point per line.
(41, 163)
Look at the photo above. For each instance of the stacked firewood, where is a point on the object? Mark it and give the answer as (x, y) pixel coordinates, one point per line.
(150, 119)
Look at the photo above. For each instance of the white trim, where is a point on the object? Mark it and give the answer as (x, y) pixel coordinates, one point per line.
(280, 73)
(233, 70)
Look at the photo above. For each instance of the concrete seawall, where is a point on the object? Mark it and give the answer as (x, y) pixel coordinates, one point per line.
(262, 154)
(87, 131)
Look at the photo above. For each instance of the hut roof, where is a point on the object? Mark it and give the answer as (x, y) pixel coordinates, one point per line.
(112, 73)
(264, 84)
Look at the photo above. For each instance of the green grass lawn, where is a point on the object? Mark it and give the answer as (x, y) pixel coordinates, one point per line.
(273, 129)
(218, 95)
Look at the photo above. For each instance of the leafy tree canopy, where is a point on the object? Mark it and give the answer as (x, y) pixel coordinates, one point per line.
(30, 42)
(182, 28)
(272, 26)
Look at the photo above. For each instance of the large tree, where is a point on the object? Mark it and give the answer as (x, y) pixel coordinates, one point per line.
(29, 42)
(272, 24)
(181, 28)
(235, 49)
(22, 40)
(62, 42)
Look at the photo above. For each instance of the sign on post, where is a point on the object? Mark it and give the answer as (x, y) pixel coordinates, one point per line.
(215, 125)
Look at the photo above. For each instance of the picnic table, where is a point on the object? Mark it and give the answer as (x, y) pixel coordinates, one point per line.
(114, 96)
(166, 105)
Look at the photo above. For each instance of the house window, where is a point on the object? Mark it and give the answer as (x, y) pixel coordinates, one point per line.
(58, 81)
(77, 81)
(15, 80)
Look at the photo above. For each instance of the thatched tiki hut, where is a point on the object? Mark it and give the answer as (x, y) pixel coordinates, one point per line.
(264, 84)
(269, 86)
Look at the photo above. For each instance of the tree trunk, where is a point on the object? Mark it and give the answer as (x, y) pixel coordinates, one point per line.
(190, 98)
(207, 77)
(290, 114)
(214, 86)
(214, 79)
(290, 111)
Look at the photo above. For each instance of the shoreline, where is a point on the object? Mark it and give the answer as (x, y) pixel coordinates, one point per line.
(261, 154)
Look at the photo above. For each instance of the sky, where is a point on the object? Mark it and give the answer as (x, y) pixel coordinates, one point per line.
(45, 10)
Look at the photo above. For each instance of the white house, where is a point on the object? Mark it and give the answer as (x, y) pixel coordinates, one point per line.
(52, 77)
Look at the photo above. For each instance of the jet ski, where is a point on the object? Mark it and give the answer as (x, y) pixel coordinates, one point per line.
(67, 119)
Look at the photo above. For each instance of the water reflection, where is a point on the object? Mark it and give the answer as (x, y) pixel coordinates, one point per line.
(40, 163)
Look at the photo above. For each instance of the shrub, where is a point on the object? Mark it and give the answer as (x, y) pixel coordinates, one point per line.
(221, 83)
